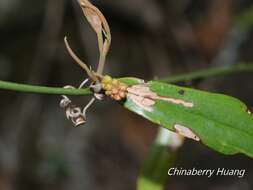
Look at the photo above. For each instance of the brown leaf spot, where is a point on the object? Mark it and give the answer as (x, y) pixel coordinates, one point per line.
(184, 131)
(142, 102)
(144, 91)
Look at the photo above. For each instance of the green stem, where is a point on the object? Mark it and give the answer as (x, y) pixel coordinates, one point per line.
(212, 72)
(173, 79)
(41, 89)
(162, 156)
(245, 20)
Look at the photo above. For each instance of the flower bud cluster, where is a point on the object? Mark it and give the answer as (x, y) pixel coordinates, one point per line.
(114, 88)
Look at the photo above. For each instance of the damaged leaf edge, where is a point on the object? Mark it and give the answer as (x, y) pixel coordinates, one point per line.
(186, 132)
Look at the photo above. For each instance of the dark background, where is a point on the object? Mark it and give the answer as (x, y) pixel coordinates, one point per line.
(39, 148)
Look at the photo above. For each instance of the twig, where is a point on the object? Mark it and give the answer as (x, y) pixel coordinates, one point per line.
(42, 89)
(79, 61)
(173, 79)
(206, 73)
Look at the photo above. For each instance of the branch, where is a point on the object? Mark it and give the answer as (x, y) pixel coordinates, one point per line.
(42, 89)
(173, 79)
(212, 72)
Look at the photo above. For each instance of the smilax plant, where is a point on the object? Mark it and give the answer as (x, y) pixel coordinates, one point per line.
(221, 122)
(195, 114)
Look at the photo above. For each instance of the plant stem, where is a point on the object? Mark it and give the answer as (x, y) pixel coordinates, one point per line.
(162, 156)
(206, 73)
(41, 89)
(245, 20)
(173, 79)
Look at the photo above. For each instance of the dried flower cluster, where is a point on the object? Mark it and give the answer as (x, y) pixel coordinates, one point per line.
(114, 88)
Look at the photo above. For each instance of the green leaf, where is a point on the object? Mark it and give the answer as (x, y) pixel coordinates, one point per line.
(219, 121)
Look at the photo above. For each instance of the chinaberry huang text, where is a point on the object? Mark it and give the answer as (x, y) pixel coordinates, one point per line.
(206, 172)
